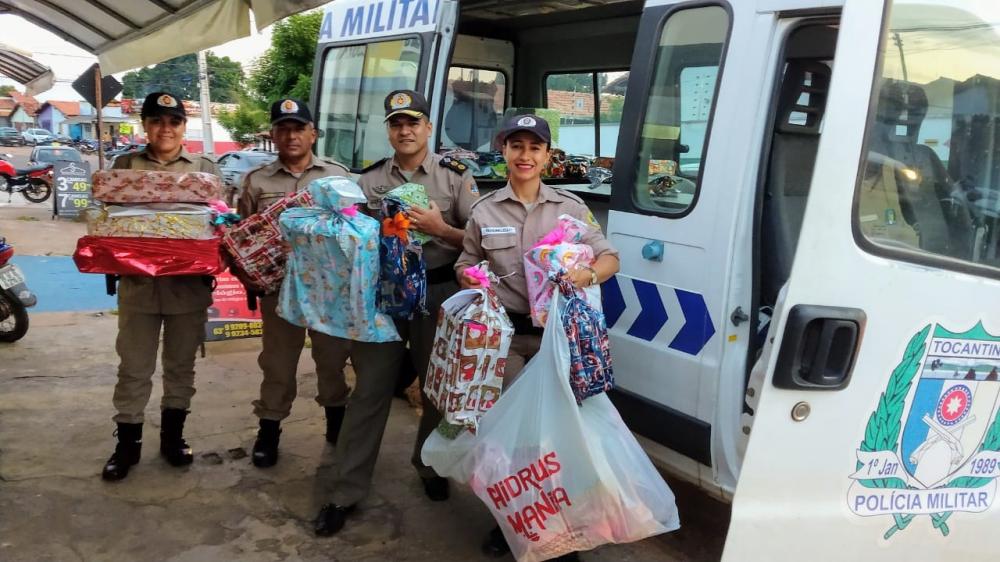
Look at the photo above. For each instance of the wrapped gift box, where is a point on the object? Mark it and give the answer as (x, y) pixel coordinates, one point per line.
(149, 186)
(331, 276)
(150, 257)
(559, 250)
(154, 220)
(255, 244)
(466, 368)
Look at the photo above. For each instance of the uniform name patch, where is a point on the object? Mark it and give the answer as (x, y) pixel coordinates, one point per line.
(494, 230)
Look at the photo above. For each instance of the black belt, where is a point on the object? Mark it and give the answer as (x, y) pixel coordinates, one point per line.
(443, 274)
(522, 325)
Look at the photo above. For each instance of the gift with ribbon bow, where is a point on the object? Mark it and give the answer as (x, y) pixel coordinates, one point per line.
(409, 195)
(469, 355)
(561, 250)
(332, 269)
(402, 287)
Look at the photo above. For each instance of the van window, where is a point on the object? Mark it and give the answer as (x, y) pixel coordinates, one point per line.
(930, 183)
(583, 129)
(674, 132)
(355, 81)
(473, 108)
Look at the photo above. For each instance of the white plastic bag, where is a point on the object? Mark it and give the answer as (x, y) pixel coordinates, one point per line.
(557, 477)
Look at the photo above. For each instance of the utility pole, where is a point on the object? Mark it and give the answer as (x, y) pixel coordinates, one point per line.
(100, 120)
(206, 107)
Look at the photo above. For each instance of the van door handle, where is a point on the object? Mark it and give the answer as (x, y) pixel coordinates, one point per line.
(819, 347)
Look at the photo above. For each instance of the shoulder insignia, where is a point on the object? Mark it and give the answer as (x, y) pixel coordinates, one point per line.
(373, 165)
(453, 165)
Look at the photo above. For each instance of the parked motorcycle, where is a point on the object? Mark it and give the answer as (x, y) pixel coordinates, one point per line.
(86, 146)
(15, 297)
(34, 182)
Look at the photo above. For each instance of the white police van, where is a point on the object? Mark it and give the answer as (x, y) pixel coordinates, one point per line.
(806, 198)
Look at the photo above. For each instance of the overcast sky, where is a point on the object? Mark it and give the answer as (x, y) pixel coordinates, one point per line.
(68, 61)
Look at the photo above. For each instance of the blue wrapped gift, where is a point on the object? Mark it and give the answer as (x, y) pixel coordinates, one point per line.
(402, 290)
(331, 277)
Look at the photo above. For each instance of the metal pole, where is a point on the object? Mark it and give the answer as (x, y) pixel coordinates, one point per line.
(100, 120)
(206, 107)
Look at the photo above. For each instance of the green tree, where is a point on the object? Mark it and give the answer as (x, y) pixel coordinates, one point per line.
(6, 89)
(245, 122)
(286, 68)
(179, 76)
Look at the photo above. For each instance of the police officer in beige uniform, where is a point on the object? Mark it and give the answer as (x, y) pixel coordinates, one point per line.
(507, 223)
(178, 304)
(452, 191)
(294, 134)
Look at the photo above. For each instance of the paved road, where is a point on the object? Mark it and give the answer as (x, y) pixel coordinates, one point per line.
(55, 408)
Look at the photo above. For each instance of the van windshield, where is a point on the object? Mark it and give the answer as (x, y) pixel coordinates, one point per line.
(931, 182)
(354, 83)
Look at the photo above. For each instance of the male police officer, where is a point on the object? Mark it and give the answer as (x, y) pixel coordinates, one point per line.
(452, 191)
(293, 133)
(177, 303)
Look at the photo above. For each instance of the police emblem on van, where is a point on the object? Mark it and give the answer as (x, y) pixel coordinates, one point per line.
(932, 445)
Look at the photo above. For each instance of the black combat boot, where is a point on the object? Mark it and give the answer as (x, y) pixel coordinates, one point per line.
(126, 453)
(265, 448)
(334, 419)
(172, 444)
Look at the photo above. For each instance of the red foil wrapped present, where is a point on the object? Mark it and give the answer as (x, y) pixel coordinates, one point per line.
(150, 186)
(255, 245)
(150, 257)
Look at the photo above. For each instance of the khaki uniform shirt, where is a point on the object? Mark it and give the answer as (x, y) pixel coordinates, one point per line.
(454, 193)
(179, 294)
(264, 185)
(501, 229)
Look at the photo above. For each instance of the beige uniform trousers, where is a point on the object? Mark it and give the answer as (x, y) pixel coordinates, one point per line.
(138, 340)
(377, 367)
(281, 347)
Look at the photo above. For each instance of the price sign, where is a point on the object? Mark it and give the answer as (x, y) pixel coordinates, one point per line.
(71, 181)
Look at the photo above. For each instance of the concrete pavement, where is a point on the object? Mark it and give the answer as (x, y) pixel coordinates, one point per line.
(56, 433)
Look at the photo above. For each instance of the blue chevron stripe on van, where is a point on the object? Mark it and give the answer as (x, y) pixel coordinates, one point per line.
(692, 330)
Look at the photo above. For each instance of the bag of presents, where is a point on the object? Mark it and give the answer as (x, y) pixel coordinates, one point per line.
(402, 286)
(590, 370)
(561, 250)
(408, 195)
(466, 369)
(149, 186)
(557, 477)
(255, 245)
(152, 220)
(331, 275)
(150, 257)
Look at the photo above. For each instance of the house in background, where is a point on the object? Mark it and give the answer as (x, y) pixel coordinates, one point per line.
(52, 114)
(84, 125)
(7, 106)
(23, 116)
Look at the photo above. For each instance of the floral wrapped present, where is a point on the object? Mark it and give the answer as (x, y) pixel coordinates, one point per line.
(410, 194)
(147, 186)
(331, 275)
(255, 245)
(466, 369)
(152, 220)
(150, 257)
(561, 249)
(402, 286)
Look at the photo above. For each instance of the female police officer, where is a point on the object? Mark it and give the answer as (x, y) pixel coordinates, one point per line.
(505, 224)
(179, 304)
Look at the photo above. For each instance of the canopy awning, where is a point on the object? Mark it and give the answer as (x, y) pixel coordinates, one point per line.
(126, 34)
(19, 65)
